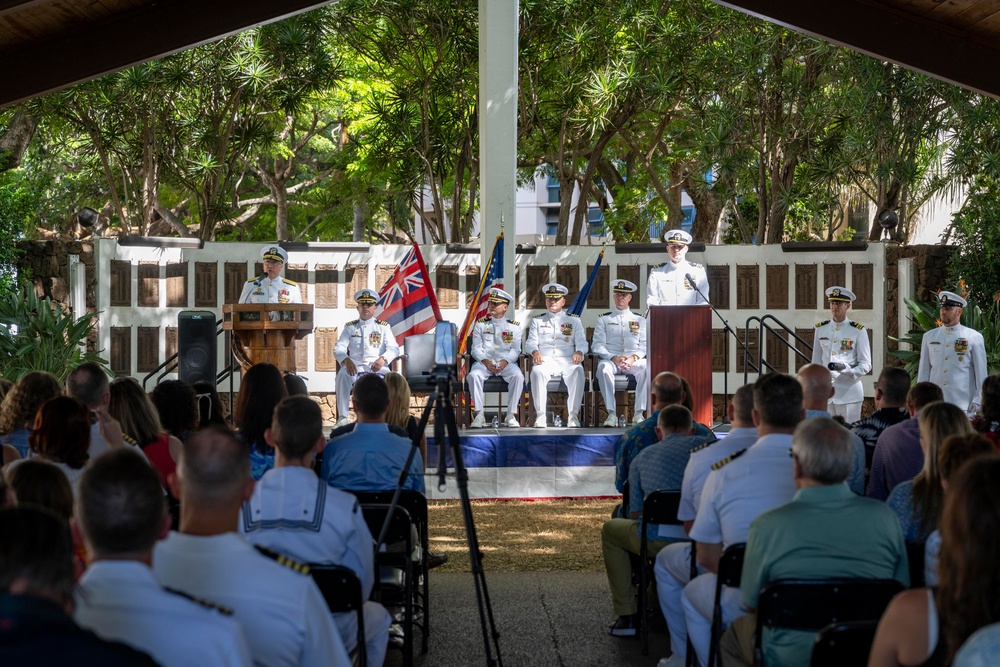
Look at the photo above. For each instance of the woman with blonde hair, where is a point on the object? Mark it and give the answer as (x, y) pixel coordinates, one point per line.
(918, 502)
(140, 425)
(17, 416)
(399, 410)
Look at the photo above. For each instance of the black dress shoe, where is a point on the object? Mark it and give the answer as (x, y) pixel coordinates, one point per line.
(436, 560)
(625, 626)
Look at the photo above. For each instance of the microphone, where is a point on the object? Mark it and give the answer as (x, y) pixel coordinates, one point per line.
(690, 279)
(260, 278)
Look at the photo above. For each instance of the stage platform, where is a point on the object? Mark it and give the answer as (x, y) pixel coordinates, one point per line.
(530, 462)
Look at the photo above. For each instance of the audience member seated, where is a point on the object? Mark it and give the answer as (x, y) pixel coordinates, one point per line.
(659, 467)
(295, 385)
(955, 452)
(668, 389)
(121, 515)
(673, 563)
(88, 383)
(133, 409)
(42, 484)
(890, 409)
(917, 502)
(370, 457)
(177, 407)
(61, 436)
(825, 531)
(927, 626)
(261, 389)
(211, 411)
(17, 415)
(294, 513)
(817, 391)
(284, 616)
(988, 421)
(898, 455)
(398, 413)
(981, 649)
(36, 598)
(739, 488)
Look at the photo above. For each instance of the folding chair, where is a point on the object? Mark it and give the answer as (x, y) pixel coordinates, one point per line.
(813, 604)
(840, 644)
(659, 507)
(915, 559)
(341, 589)
(394, 585)
(415, 503)
(730, 573)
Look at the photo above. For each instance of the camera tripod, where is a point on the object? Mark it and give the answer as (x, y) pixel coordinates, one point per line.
(446, 435)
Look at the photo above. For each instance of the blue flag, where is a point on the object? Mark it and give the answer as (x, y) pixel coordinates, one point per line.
(580, 302)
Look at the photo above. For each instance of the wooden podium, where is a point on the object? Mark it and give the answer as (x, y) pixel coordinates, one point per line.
(266, 332)
(679, 340)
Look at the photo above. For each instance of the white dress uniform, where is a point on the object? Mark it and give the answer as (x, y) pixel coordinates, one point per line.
(621, 333)
(497, 340)
(556, 336)
(363, 341)
(266, 290)
(673, 564)
(954, 358)
(846, 343)
(121, 600)
(294, 513)
(667, 285)
(739, 488)
(284, 616)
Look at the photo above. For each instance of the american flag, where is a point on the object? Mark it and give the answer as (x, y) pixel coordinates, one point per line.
(407, 300)
(492, 277)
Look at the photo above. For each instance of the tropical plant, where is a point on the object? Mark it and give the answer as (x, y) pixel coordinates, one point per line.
(38, 335)
(925, 318)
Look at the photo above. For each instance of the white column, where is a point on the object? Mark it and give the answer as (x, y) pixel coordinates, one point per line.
(904, 290)
(498, 27)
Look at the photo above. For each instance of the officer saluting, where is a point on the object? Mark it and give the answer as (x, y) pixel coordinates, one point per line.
(842, 346)
(953, 356)
(620, 342)
(271, 287)
(556, 342)
(496, 347)
(366, 345)
(670, 283)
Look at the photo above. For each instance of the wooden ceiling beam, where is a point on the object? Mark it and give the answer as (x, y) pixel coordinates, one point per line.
(888, 34)
(152, 31)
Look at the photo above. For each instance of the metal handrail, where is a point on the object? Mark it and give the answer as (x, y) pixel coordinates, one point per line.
(765, 327)
(171, 363)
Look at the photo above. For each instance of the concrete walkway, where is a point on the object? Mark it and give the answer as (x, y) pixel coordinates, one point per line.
(543, 619)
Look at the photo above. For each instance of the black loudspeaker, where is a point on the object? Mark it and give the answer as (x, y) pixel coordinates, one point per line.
(196, 346)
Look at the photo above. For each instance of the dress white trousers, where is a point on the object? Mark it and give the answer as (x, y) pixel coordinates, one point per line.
(511, 374)
(698, 600)
(851, 412)
(572, 375)
(606, 372)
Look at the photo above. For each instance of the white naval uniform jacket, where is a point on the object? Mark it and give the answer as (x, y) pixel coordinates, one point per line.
(620, 333)
(845, 343)
(954, 358)
(266, 290)
(667, 285)
(365, 341)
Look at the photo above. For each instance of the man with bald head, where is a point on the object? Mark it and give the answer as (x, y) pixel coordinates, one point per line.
(285, 617)
(817, 389)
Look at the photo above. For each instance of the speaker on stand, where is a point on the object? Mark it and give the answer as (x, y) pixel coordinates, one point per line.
(197, 346)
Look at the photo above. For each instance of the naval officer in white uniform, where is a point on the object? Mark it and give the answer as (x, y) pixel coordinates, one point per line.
(841, 345)
(620, 343)
(496, 347)
(953, 356)
(557, 343)
(270, 287)
(670, 283)
(366, 345)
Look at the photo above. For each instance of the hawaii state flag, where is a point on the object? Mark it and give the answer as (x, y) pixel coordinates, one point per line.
(492, 277)
(407, 301)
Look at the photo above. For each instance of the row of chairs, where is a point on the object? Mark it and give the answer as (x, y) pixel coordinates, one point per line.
(843, 612)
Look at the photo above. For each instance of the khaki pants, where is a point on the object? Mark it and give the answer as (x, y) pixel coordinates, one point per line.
(736, 645)
(618, 538)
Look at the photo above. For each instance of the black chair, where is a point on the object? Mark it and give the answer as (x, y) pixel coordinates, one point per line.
(813, 604)
(341, 589)
(730, 573)
(659, 507)
(915, 560)
(415, 504)
(394, 585)
(840, 644)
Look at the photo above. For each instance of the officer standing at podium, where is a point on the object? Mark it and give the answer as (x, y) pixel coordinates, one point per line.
(496, 347)
(620, 343)
(366, 345)
(677, 282)
(270, 287)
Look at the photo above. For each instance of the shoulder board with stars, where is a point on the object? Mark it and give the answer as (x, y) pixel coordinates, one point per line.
(483, 320)
(660, 266)
(538, 315)
(382, 322)
(858, 326)
(819, 324)
(605, 314)
(514, 322)
(728, 459)
(704, 446)
(284, 560)
(352, 323)
(574, 315)
(208, 604)
(289, 282)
